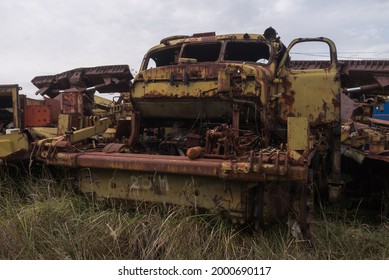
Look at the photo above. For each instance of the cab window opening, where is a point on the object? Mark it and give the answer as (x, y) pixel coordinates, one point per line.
(247, 51)
(163, 57)
(202, 52)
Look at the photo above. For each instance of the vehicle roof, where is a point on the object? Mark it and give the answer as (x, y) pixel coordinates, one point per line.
(205, 37)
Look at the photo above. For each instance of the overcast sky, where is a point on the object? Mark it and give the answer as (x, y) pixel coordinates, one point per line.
(48, 36)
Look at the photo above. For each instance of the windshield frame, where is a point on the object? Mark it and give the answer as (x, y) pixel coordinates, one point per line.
(221, 57)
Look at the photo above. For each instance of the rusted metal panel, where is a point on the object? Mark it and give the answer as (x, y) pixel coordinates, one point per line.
(55, 108)
(365, 66)
(110, 78)
(72, 102)
(363, 75)
(37, 115)
(224, 81)
(41, 112)
(348, 107)
(379, 121)
(226, 170)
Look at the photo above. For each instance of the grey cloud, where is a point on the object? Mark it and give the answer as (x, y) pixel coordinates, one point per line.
(50, 36)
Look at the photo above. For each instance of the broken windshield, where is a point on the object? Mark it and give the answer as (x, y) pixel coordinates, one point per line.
(202, 52)
(247, 51)
(163, 57)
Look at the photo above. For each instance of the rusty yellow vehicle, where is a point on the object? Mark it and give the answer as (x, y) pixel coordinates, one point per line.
(217, 122)
(13, 144)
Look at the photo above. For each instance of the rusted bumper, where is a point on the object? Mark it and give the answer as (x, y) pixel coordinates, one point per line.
(229, 170)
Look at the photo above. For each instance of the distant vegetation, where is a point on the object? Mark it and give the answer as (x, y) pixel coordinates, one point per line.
(45, 219)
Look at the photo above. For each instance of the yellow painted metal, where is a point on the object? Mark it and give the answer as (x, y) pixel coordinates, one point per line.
(311, 93)
(64, 123)
(298, 133)
(199, 192)
(12, 143)
(109, 133)
(210, 93)
(101, 101)
(68, 123)
(187, 60)
(99, 126)
(43, 132)
(13, 92)
(316, 94)
(354, 154)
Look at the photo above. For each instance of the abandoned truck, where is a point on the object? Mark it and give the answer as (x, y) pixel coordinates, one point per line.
(217, 122)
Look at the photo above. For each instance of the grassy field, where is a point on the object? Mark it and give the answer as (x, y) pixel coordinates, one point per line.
(45, 219)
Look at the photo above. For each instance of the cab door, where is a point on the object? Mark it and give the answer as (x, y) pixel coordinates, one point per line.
(309, 87)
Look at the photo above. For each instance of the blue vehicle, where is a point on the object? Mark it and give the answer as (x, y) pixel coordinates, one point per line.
(381, 111)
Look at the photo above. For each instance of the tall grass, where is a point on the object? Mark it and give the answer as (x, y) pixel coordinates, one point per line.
(45, 219)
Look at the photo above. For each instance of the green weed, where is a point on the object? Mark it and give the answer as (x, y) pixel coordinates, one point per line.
(45, 219)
